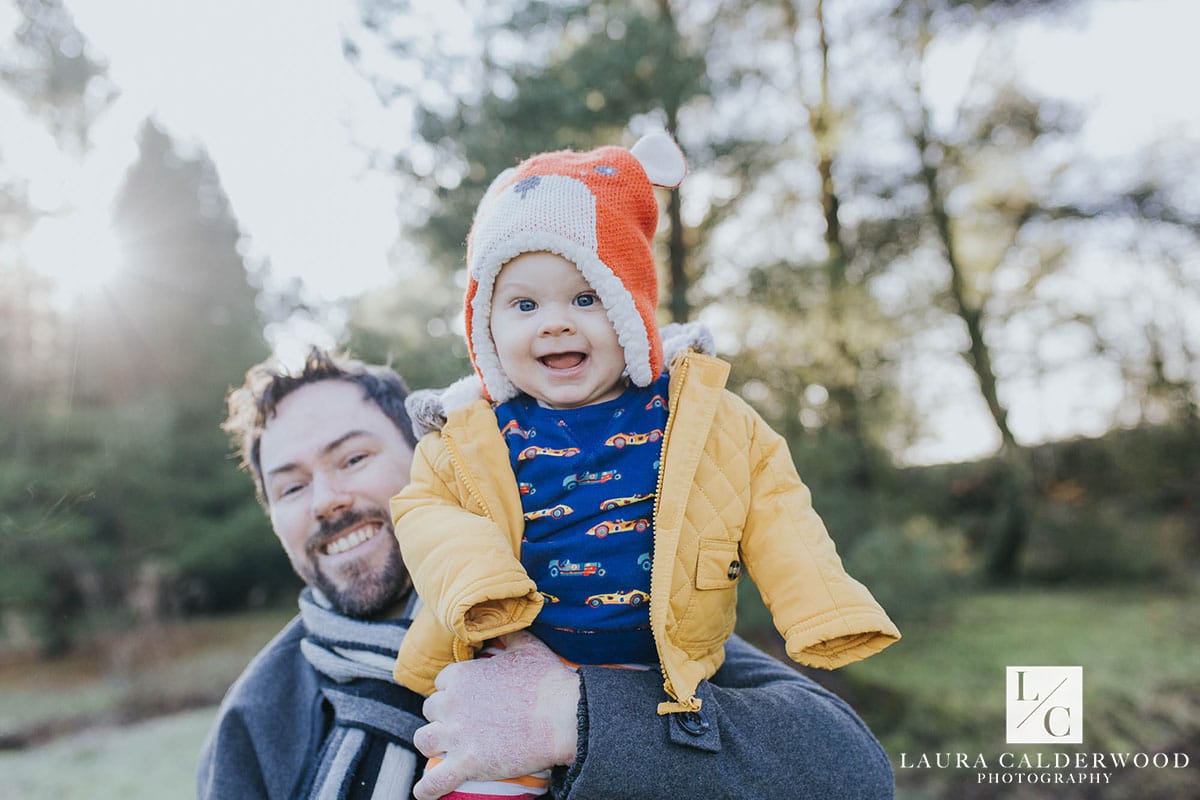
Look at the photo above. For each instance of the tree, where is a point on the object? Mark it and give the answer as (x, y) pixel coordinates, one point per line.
(851, 234)
(30, 350)
(41, 565)
(160, 347)
(179, 323)
(827, 295)
(124, 501)
(1005, 205)
(586, 72)
(51, 69)
(583, 74)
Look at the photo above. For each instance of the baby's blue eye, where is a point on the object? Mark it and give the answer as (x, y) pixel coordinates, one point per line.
(526, 305)
(585, 300)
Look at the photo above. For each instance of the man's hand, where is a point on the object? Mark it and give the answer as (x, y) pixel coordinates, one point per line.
(501, 717)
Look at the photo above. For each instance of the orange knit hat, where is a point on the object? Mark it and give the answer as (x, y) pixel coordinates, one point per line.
(595, 209)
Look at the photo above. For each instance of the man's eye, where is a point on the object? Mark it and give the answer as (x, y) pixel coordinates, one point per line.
(354, 459)
(526, 305)
(291, 488)
(586, 299)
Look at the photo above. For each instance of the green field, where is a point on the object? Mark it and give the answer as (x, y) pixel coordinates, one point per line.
(940, 689)
(153, 760)
(106, 722)
(123, 677)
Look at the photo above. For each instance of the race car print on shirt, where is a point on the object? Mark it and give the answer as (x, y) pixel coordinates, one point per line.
(558, 512)
(618, 526)
(567, 567)
(619, 440)
(571, 481)
(617, 502)
(534, 452)
(633, 597)
(516, 430)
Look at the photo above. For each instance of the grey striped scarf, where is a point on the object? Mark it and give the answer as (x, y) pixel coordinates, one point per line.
(368, 753)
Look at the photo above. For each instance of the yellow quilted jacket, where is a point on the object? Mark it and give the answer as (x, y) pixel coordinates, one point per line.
(729, 500)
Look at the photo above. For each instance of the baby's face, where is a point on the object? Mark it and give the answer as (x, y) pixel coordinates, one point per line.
(553, 337)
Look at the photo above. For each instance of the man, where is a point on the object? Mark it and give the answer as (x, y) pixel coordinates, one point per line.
(316, 714)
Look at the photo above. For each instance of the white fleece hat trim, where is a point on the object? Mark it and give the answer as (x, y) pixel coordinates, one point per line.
(616, 299)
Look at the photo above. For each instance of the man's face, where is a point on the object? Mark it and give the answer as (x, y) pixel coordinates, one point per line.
(331, 461)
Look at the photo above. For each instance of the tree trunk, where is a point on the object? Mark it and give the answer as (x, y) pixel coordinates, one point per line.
(681, 309)
(844, 394)
(677, 251)
(1012, 524)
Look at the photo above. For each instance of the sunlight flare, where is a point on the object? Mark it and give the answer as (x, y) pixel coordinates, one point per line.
(79, 251)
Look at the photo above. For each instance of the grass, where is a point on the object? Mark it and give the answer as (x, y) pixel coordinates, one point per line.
(126, 676)
(153, 760)
(941, 689)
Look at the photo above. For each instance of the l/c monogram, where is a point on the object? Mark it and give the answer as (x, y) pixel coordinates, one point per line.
(1045, 721)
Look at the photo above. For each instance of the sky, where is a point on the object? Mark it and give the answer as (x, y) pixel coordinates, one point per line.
(1126, 62)
(263, 87)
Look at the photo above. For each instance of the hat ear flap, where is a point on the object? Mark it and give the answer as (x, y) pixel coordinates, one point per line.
(662, 159)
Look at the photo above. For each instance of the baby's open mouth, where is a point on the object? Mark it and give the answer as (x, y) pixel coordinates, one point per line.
(563, 360)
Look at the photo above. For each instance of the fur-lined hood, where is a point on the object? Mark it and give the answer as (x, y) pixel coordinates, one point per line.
(428, 408)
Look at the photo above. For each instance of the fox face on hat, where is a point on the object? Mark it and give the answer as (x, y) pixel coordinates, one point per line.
(597, 210)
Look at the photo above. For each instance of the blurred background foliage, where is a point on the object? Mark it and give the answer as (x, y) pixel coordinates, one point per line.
(833, 234)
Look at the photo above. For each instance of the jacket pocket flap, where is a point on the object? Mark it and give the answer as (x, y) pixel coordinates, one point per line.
(718, 564)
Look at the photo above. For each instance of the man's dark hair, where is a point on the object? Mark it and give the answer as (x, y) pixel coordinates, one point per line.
(267, 384)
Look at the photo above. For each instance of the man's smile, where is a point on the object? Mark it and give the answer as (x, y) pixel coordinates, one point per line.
(351, 538)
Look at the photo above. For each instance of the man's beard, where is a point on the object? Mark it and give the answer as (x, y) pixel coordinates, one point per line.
(362, 589)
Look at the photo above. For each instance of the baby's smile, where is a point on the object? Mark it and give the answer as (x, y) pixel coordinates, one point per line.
(563, 360)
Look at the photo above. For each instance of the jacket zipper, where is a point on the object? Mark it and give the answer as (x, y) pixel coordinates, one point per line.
(460, 651)
(662, 470)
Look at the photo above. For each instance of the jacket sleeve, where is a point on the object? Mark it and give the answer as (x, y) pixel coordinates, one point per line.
(826, 617)
(764, 731)
(462, 562)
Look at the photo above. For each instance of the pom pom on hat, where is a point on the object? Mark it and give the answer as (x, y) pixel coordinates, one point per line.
(660, 157)
(595, 209)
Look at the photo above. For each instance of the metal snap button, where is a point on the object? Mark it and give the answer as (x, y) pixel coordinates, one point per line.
(735, 569)
(694, 722)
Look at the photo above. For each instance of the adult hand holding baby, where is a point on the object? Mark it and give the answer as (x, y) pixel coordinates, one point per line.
(494, 718)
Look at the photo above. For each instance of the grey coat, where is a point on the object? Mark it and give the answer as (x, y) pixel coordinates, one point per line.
(764, 731)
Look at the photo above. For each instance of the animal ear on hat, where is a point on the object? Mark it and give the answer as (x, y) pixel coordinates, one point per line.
(662, 159)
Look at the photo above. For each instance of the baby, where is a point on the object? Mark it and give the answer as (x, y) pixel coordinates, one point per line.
(576, 488)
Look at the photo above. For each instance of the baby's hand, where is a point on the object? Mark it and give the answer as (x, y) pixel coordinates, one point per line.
(501, 717)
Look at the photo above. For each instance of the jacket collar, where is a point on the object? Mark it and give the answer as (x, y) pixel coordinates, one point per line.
(429, 408)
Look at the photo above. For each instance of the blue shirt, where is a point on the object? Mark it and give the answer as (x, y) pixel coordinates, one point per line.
(588, 478)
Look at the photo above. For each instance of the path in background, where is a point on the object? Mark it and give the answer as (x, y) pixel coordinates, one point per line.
(154, 760)
(124, 677)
